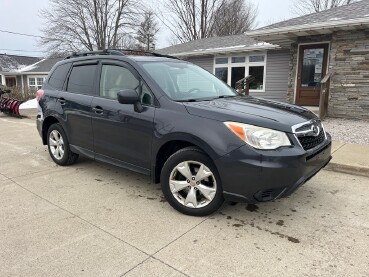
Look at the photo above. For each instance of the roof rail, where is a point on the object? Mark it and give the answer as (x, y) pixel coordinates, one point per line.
(98, 52)
(147, 53)
(118, 52)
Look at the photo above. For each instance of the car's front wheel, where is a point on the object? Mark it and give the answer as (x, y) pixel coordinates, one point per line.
(58, 145)
(190, 183)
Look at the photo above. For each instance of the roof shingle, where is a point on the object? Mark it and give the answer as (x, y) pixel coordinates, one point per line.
(352, 11)
(10, 63)
(42, 66)
(210, 43)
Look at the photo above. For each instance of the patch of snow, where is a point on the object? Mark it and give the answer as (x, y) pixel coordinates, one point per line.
(335, 18)
(220, 48)
(30, 67)
(30, 104)
(234, 47)
(262, 44)
(9, 64)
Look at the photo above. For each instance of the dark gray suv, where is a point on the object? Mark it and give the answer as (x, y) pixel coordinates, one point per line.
(181, 125)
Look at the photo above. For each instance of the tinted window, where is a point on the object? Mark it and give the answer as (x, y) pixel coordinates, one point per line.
(254, 59)
(81, 79)
(221, 60)
(115, 78)
(222, 73)
(258, 73)
(57, 78)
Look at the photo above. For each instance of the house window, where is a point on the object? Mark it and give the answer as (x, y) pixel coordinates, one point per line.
(221, 60)
(36, 82)
(32, 82)
(238, 59)
(258, 73)
(222, 73)
(255, 59)
(237, 73)
(233, 69)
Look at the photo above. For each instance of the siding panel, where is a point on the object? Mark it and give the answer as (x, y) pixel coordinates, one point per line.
(206, 63)
(276, 79)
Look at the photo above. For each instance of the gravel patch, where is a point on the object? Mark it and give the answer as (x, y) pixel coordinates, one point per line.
(348, 130)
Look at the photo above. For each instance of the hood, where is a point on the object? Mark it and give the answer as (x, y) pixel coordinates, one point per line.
(245, 109)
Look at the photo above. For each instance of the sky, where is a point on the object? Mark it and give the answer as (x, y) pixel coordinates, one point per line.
(22, 16)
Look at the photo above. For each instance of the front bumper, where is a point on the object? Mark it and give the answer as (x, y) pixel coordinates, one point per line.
(252, 176)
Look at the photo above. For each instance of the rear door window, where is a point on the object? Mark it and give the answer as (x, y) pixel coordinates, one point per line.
(59, 75)
(81, 79)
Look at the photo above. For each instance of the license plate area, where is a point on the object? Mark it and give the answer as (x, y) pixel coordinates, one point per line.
(321, 154)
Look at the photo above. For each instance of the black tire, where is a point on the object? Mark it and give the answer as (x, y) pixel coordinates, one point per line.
(68, 157)
(196, 155)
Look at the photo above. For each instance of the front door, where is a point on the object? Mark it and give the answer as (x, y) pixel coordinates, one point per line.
(121, 134)
(312, 68)
(10, 81)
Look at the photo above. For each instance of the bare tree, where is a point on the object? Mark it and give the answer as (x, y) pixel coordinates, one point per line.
(74, 25)
(234, 17)
(303, 7)
(127, 42)
(189, 19)
(147, 31)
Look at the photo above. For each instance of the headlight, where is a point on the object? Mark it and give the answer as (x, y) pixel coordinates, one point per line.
(258, 137)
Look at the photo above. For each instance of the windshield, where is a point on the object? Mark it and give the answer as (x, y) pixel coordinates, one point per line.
(187, 82)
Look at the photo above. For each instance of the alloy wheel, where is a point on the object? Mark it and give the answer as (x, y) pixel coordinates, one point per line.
(192, 184)
(56, 145)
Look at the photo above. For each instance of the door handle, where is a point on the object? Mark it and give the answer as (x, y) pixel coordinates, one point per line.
(62, 101)
(98, 110)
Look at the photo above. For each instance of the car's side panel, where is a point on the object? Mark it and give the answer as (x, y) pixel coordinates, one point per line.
(75, 109)
(76, 114)
(121, 133)
(173, 123)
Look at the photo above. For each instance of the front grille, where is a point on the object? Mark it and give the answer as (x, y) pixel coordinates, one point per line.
(310, 142)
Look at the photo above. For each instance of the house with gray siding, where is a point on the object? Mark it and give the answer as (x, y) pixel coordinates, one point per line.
(9, 67)
(24, 72)
(299, 54)
(332, 43)
(232, 58)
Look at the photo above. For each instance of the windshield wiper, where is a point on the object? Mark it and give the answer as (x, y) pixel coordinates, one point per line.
(225, 96)
(205, 99)
(195, 100)
(187, 100)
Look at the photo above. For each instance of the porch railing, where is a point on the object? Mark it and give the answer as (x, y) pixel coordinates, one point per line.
(243, 85)
(324, 95)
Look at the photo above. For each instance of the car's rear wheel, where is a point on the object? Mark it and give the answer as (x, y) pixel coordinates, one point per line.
(58, 146)
(190, 183)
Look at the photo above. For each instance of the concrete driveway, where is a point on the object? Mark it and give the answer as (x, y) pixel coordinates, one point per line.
(92, 219)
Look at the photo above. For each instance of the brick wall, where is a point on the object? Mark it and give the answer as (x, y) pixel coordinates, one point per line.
(349, 60)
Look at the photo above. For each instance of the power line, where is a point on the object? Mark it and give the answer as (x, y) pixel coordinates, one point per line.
(21, 34)
(18, 50)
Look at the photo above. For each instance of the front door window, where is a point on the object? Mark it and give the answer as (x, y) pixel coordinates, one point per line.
(312, 67)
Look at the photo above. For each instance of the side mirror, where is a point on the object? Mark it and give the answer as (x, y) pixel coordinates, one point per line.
(130, 96)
